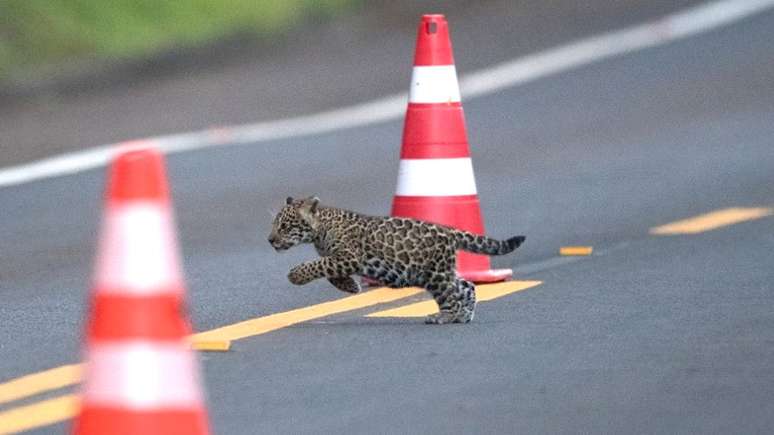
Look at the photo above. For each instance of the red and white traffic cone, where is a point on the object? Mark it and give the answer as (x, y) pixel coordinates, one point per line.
(140, 375)
(435, 177)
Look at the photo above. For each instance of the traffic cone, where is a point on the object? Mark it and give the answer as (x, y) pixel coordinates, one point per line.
(140, 375)
(435, 177)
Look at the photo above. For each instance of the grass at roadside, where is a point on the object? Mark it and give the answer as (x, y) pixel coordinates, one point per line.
(41, 32)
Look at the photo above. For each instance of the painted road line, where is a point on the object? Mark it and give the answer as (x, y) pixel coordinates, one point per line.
(69, 375)
(39, 414)
(576, 250)
(710, 221)
(273, 322)
(485, 292)
(41, 382)
(682, 24)
(211, 346)
(55, 410)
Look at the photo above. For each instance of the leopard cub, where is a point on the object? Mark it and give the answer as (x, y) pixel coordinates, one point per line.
(396, 252)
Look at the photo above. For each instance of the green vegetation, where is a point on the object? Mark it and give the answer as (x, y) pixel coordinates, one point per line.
(36, 32)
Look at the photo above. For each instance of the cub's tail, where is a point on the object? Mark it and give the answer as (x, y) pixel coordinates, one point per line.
(486, 245)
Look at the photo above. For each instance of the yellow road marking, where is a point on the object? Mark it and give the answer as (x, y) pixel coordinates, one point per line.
(62, 408)
(262, 325)
(36, 383)
(576, 250)
(211, 346)
(39, 414)
(713, 220)
(483, 293)
(54, 410)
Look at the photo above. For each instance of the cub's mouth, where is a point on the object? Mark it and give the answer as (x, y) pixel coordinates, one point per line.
(280, 246)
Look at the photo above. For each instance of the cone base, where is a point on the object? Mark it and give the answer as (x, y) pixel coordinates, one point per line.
(477, 268)
(474, 276)
(486, 276)
(368, 282)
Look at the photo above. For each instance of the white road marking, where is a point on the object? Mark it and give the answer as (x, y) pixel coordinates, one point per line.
(672, 27)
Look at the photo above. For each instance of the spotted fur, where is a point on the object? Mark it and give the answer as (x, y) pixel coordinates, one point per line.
(396, 252)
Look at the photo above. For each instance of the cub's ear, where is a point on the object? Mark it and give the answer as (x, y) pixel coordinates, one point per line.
(289, 200)
(308, 211)
(314, 202)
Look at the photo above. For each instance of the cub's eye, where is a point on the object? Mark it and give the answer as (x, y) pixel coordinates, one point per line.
(283, 226)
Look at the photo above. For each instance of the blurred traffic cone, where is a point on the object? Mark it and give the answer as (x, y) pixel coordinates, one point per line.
(140, 376)
(435, 177)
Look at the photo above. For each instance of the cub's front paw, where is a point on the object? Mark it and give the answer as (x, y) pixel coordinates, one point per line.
(345, 284)
(295, 276)
(445, 317)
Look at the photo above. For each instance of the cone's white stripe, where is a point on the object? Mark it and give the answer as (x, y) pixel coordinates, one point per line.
(137, 252)
(436, 177)
(141, 376)
(434, 84)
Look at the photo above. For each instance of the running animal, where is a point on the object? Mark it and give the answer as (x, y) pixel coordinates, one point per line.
(396, 252)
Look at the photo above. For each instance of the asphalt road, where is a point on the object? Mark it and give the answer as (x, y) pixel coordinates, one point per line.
(651, 335)
(354, 58)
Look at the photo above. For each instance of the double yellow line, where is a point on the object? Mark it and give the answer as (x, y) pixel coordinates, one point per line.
(63, 407)
(41, 413)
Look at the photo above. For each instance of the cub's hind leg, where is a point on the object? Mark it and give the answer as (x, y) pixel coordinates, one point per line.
(456, 299)
(345, 284)
(468, 300)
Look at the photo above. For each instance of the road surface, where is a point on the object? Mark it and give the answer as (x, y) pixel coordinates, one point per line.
(651, 334)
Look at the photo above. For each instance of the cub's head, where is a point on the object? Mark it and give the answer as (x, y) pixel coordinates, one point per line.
(295, 223)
